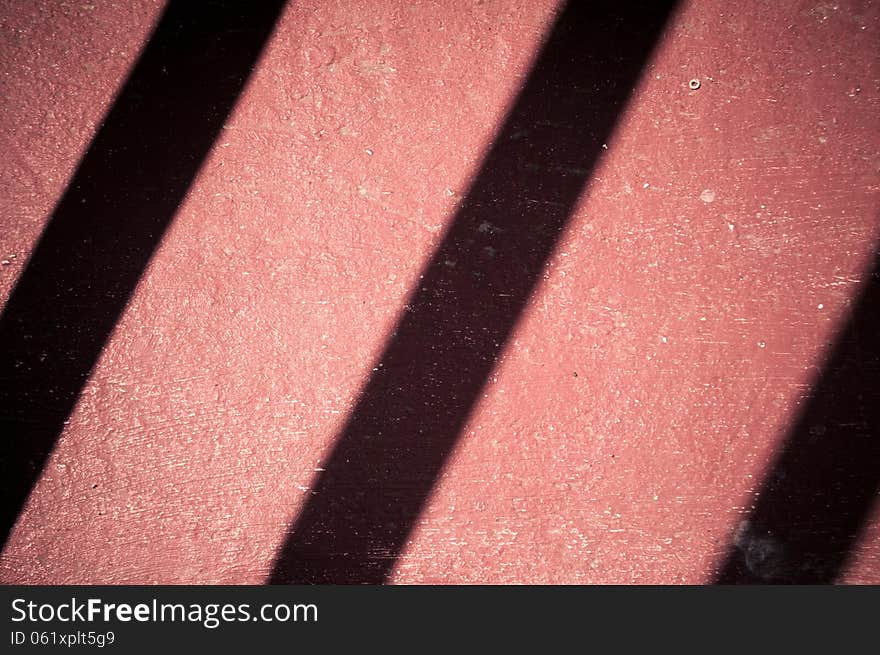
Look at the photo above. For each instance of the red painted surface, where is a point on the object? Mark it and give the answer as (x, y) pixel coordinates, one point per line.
(677, 329)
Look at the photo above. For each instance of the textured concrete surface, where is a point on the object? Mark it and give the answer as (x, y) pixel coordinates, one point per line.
(672, 340)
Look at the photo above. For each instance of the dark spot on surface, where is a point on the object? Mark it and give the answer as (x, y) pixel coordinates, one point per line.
(764, 556)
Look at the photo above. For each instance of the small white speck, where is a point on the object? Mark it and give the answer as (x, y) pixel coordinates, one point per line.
(369, 152)
(707, 196)
(663, 339)
(645, 185)
(762, 344)
(604, 146)
(820, 306)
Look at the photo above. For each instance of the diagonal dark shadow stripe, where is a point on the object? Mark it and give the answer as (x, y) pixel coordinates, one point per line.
(818, 495)
(409, 415)
(111, 218)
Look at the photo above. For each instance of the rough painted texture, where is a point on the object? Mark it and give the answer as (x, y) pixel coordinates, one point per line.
(676, 331)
